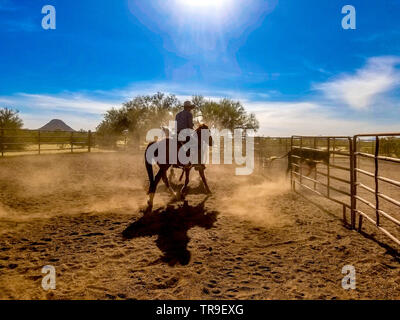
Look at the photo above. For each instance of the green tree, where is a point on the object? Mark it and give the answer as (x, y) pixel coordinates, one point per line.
(225, 114)
(9, 119)
(137, 117)
(12, 137)
(146, 112)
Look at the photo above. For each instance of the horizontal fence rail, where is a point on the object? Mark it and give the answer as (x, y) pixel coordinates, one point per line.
(40, 141)
(25, 141)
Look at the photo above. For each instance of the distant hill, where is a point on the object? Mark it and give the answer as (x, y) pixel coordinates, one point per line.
(56, 125)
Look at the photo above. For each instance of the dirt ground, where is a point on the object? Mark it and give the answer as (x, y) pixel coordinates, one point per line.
(252, 239)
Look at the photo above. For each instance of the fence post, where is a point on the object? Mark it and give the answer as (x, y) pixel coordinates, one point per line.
(376, 179)
(328, 168)
(300, 166)
(353, 179)
(2, 142)
(72, 142)
(315, 172)
(89, 141)
(292, 182)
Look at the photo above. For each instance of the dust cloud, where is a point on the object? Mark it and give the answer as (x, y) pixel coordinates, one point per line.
(256, 202)
(52, 185)
(58, 185)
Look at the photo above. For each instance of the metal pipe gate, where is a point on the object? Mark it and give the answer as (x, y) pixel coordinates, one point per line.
(342, 149)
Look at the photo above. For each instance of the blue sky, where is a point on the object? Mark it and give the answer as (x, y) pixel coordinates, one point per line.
(290, 62)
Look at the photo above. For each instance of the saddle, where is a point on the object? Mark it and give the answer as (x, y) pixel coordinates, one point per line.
(197, 167)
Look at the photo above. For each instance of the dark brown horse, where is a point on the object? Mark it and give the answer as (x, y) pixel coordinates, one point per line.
(163, 146)
(310, 157)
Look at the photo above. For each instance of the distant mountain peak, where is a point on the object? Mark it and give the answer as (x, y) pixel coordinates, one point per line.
(56, 125)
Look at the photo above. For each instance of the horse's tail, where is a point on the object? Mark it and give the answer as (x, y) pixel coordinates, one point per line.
(149, 166)
(272, 159)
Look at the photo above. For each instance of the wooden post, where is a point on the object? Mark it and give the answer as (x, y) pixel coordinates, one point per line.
(89, 141)
(72, 142)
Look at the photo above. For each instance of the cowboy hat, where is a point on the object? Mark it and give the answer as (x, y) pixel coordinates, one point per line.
(188, 105)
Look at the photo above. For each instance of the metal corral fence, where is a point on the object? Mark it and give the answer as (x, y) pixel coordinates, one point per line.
(382, 188)
(24, 141)
(357, 168)
(334, 179)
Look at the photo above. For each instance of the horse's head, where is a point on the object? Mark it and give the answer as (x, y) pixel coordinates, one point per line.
(166, 131)
(202, 132)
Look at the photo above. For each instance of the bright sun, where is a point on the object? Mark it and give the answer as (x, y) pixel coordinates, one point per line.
(203, 3)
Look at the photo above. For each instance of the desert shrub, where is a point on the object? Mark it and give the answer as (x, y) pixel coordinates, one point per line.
(11, 136)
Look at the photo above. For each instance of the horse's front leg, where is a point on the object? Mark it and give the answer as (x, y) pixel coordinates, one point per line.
(171, 174)
(311, 166)
(153, 187)
(203, 178)
(185, 186)
(166, 182)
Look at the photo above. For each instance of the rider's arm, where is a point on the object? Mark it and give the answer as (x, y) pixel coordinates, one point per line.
(190, 121)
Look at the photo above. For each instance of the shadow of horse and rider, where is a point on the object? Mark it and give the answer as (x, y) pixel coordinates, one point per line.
(172, 223)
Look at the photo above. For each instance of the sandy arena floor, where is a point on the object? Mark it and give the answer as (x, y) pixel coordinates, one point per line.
(252, 239)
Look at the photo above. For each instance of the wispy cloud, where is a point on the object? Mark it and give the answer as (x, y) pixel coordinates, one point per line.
(79, 110)
(62, 102)
(310, 118)
(278, 114)
(360, 90)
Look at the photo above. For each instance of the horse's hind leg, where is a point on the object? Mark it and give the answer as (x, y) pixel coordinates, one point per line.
(166, 182)
(203, 178)
(171, 174)
(185, 186)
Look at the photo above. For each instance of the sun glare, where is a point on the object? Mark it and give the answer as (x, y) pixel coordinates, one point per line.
(211, 4)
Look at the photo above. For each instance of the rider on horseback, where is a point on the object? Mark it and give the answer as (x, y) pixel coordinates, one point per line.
(184, 119)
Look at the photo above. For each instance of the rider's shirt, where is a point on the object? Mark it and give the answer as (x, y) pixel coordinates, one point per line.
(184, 120)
